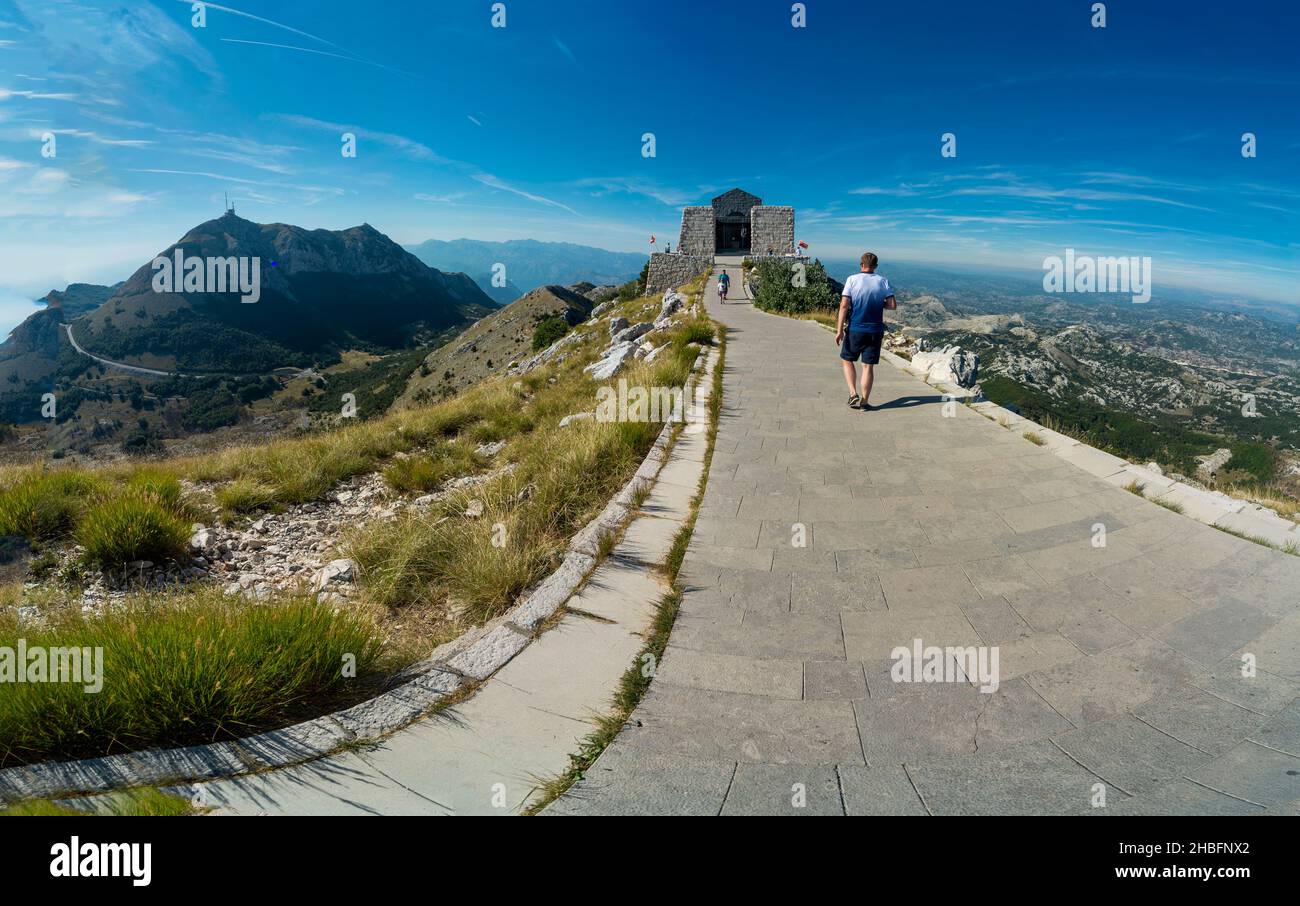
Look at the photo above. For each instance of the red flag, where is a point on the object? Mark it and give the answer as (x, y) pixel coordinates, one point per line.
(652, 238)
(802, 244)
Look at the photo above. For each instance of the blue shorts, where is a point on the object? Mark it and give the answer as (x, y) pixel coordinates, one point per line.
(861, 343)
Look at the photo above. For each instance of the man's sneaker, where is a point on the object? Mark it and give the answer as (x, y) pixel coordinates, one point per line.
(854, 401)
(866, 407)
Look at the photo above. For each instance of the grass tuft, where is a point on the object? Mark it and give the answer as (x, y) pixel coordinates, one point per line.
(132, 525)
(177, 673)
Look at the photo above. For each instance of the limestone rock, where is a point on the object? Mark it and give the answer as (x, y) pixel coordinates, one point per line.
(336, 572)
(949, 365)
(635, 332)
(611, 362)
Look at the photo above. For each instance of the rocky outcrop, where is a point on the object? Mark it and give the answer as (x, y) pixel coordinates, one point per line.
(949, 365)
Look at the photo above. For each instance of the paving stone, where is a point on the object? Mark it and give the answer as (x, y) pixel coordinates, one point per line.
(756, 589)
(1209, 635)
(1199, 719)
(1181, 798)
(1106, 685)
(995, 620)
(1002, 575)
(879, 790)
(1254, 773)
(1035, 652)
(1031, 779)
(767, 789)
(926, 720)
(832, 592)
(728, 726)
(1282, 732)
(833, 680)
(1260, 692)
(764, 634)
(630, 781)
(1277, 649)
(774, 677)
(1130, 754)
(871, 637)
(926, 586)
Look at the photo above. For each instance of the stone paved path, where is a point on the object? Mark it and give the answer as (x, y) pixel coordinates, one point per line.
(1120, 665)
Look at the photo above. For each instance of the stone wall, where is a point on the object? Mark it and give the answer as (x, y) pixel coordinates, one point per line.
(668, 271)
(771, 225)
(697, 236)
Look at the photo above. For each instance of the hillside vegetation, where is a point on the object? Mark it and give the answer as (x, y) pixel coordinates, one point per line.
(426, 571)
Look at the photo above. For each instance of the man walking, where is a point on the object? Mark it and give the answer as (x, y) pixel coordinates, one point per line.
(864, 300)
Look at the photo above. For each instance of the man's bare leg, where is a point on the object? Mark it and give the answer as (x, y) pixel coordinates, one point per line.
(851, 376)
(868, 375)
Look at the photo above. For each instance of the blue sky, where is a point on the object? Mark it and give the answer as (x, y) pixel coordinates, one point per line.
(1122, 140)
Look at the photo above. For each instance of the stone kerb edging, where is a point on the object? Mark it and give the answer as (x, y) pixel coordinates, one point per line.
(453, 668)
(1213, 508)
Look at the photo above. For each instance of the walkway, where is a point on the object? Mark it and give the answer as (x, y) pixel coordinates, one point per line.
(1120, 665)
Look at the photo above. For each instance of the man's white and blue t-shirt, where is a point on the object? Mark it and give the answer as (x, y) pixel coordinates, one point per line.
(868, 293)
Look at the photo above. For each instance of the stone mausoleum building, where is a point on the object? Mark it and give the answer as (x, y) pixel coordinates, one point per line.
(735, 223)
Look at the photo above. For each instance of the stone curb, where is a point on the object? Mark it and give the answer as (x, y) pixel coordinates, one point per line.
(433, 680)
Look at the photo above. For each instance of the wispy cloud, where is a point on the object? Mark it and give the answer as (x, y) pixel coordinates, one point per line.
(271, 22)
(7, 93)
(451, 198)
(406, 146)
(222, 177)
(565, 50)
(494, 182)
(322, 53)
(636, 185)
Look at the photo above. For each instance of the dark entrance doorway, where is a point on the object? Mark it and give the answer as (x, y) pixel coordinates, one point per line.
(732, 236)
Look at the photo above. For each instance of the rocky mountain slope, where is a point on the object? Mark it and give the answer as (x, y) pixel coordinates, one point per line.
(503, 337)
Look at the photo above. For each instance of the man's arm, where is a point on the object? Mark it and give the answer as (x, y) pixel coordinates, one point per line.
(891, 303)
(845, 304)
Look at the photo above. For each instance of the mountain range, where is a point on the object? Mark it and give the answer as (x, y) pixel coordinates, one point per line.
(528, 263)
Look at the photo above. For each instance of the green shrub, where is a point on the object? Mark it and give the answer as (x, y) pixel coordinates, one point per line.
(776, 289)
(548, 330)
(183, 672)
(133, 524)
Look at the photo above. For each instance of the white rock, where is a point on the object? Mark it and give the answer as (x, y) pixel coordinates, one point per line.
(635, 332)
(949, 365)
(611, 362)
(575, 417)
(336, 572)
(474, 509)
(491, 449)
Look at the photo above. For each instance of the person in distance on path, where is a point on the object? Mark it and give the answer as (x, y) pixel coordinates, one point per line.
(865, 297)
